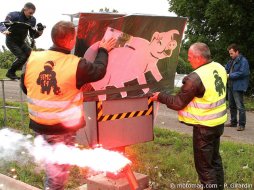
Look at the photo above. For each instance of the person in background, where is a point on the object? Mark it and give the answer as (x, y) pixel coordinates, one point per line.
(52, 80)
(16, 28)
(201, 103)
(238, 80)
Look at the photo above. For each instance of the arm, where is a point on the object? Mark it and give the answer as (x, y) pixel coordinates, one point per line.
(2, 27)
(228, 66)
(11, 17)
(91, 72)
(192, 87)
(242, 71)
(34, 33)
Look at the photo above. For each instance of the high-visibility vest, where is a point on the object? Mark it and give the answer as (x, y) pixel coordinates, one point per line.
(210, 110)
(52, 96)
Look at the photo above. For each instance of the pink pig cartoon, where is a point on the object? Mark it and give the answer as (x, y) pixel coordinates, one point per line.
(132, 58)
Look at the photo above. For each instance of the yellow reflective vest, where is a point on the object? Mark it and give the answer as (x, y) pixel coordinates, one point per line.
(50, 79)
(210, 110)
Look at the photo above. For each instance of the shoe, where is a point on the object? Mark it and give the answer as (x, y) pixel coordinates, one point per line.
(12, 76)
(240, 128)
(230, 125)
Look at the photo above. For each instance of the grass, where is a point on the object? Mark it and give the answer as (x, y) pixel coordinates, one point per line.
(169, 159)
(166, 160)
(4, 71)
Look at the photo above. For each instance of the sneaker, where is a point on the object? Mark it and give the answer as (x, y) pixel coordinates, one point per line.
(240, 128)
(230, 125)
(12, 76)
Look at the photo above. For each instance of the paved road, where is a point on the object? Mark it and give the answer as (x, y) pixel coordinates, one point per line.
(12, 90)
(166, 118)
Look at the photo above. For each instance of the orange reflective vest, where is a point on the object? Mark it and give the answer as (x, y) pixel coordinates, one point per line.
(52, 96)
(210, 110)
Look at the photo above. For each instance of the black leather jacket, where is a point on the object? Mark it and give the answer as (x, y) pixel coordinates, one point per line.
(192, 87)
(20, 27)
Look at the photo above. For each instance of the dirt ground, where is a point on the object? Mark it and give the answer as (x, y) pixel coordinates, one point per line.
(167, 118)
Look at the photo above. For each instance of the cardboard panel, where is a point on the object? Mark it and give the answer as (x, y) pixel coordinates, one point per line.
(88, 135)
(125, 132)
(125, 105)
(144, 59)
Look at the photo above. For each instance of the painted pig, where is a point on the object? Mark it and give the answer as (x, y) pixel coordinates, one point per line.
(133, 58)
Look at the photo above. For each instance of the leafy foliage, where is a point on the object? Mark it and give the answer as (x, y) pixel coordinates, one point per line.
(218, 24)
(107, 10)
(183, 67)
(6, 58)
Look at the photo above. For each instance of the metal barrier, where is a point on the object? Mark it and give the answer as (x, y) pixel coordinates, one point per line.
(5, 107)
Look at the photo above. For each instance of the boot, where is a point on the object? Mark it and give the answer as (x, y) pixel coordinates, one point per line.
(12, 75)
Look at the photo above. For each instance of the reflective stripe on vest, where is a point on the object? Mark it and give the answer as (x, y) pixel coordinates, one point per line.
(203, 118)
(52, 95)
(64, 115)
(207, 106)
(53, 104)
(210, 110)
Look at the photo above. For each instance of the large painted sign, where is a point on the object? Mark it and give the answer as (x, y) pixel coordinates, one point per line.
(144, 59)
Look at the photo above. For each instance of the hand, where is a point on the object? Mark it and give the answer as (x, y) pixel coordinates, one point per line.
(155, 96)
(108, 45)
(6, 32)
(40, 32)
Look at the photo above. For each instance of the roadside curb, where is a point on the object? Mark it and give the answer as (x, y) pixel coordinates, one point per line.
(8, 183)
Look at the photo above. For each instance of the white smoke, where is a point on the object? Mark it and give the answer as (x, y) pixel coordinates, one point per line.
(16, 147)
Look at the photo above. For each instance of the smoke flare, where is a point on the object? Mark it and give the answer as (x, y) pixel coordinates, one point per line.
(13, 145)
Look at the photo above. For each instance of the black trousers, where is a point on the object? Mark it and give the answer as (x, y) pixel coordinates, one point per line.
(21, 50)
(208, 162)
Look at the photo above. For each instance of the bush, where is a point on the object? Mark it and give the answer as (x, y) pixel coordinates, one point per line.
(6, 59)
(183, 67)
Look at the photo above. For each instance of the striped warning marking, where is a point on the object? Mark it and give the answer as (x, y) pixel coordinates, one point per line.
(101, 117)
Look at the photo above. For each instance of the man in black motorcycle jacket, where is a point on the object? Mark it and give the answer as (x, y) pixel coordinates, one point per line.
(16, 27)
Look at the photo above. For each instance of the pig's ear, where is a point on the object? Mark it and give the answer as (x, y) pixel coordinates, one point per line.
(156, 35)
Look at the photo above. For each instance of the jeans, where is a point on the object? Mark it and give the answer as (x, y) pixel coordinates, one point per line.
(21, 51)
(235, 99)
(208, 162)
(57, 175)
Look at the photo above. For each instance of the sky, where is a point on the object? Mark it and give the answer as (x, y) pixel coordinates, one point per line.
(49, 12)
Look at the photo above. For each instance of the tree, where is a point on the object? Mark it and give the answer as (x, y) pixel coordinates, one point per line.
(218, 23)
(107, 10)
(6, 58)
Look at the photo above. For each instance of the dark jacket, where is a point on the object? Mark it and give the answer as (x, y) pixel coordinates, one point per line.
(239, 74)
(18, 29)
(86, 72)
(192, 87)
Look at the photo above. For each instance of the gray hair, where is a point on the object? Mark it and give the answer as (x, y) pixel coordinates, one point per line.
(201, 49)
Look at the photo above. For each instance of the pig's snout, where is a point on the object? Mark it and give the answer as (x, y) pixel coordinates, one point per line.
(171, 45)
